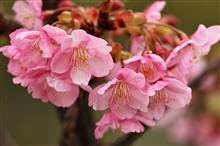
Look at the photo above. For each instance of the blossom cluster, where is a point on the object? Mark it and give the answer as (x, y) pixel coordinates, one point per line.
(54, 60)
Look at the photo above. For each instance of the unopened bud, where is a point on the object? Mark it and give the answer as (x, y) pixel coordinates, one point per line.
(65, 17)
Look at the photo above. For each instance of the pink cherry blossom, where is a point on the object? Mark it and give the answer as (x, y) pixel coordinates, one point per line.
(123, 95)
(28, 13)
(150, 65)
(110, 120)
(83, 55)
(169, 93)
(182, 58)
(56, 92)
(152, 13)
(30, 54)
(31, 50)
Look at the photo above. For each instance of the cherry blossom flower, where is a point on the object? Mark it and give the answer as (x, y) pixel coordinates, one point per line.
(29, 13)
(169, 93)
(30, 54)
(152, 13)
(182, 58)
(110, 120)
(30, 50)
(150, 65)
(123, 95)
(83, 55)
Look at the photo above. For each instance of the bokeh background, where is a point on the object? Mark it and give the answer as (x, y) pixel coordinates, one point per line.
(29, 122)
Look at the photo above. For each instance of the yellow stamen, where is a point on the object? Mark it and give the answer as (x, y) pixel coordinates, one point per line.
(159, 98)
(80, 57)
(120, 94)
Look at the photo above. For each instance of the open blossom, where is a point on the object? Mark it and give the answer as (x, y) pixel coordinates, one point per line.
(30, 50)
(30, 54)
(83, 55)
(169, 93)
(150, 65)
(152, 13)
(28, 13)
(110, 120)
(123, 95)
(182, 58)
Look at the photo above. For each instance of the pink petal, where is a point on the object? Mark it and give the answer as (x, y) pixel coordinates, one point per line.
(99, 45)
(100, 131)
(145, 120)
(123, 110)
(133, 62)
(61, 62)
(131, 125)
(9, 51)
(200, 37)
(101, 65)
(179, 93)
(15, 67)
(158, 111)
(59, 84)
(64, 99)
(137, 45)
(36, 5)
(80, 76)
(214, 34)
(153, 12)
(132, 78)
(102, 90)
(79, 36)
(138, 100)
(46, 46)
(99, 102)
(112, 74)
(55, 33)
(158, 61)
(159, 85)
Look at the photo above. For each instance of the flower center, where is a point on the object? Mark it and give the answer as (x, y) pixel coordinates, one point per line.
(36, 47)
(148, 70)
(120, 94)
(80, 57)
(160, 97)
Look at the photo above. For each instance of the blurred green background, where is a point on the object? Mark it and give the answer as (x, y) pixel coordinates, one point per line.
(29, 122)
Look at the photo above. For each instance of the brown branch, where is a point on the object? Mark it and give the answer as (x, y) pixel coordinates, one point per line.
(78, 125)
(7, 24)
(69, 136)
(50, 4)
